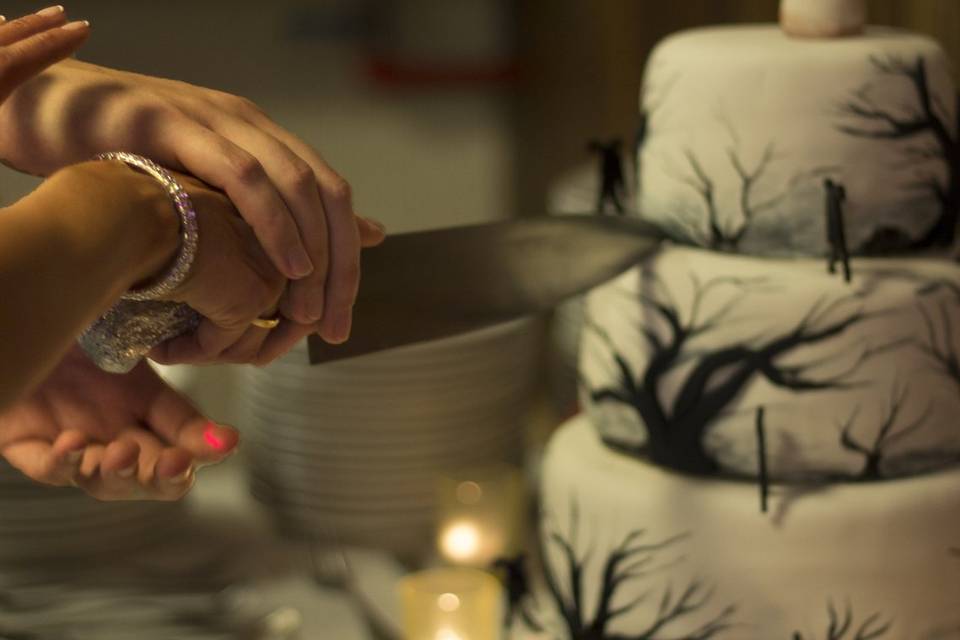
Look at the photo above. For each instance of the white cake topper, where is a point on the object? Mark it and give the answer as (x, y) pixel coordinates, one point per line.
(823, 18)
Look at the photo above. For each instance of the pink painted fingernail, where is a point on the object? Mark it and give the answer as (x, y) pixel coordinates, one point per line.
(75, 26)
(299, 263)
(51, 11)
(211, 438)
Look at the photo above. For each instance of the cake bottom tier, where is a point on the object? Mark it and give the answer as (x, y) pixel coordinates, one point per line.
(632, 551)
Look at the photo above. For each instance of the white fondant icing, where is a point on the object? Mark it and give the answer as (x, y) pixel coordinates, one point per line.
(747, 123)
(880, 552)
(857, 380)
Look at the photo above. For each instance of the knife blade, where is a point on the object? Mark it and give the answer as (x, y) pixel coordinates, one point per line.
(434, 284)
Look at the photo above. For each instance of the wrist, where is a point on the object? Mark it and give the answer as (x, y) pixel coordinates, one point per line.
(140, 227)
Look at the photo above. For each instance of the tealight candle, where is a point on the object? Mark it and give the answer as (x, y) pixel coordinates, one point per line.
(451, 604)
(480, 515)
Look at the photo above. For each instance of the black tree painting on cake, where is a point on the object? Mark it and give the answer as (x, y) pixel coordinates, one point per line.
(844, 626)
(713, 378)
(685, 612)
(927, 130)
(893, 429)
(707, 223)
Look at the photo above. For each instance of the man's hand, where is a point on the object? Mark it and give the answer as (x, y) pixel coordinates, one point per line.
(117, 437)
(299, 208)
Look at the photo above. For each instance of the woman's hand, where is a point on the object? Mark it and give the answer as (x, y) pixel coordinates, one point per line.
(298, 207)
(30, 44)
(117, 437)
(232, 283)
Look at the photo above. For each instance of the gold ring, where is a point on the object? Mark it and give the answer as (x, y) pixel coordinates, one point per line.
(266, 323)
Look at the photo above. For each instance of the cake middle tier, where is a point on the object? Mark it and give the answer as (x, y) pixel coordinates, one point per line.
(717, 364)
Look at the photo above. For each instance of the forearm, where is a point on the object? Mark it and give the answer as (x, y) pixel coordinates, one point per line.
(67, 252)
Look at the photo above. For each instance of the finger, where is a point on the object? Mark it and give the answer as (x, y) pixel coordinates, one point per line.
(90, 463)
(221, 163)
(115, 474)
(53, 463)
(22, 28)
(202, 346)
(26, 58)
(344, 270)
(163, 472)
(176, 422)
(174, 475)
(282, 339)
(297, 184)
(246, 349)
(372, 232)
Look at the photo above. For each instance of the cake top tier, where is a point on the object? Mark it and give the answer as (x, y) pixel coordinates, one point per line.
(823, 18)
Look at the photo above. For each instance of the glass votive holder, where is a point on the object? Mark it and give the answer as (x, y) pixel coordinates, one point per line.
(453, 603)
(480, 515)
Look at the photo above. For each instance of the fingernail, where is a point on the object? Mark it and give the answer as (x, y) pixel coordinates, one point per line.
(341, 327)
(210, 436)
(182, 478)
(51, 11)
(3, 19)
(379, 225)
(299, 263)
(315, 308)
(73, 457)
(127, 472)
(75, 26)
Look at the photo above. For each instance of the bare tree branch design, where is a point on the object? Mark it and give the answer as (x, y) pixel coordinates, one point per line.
(886, 436)
(924, 118)
(940, 349)
(675, 432)
(841, 626)
(725, 232)
(630, 561)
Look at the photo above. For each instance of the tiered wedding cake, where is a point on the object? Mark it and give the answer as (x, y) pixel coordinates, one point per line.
(771, 443)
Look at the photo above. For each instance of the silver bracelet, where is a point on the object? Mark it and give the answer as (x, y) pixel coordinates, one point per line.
(189, 235)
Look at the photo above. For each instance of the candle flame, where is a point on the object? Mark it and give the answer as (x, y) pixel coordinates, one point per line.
(460, 541)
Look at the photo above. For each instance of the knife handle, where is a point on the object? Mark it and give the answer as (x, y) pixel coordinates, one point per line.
(123, 336)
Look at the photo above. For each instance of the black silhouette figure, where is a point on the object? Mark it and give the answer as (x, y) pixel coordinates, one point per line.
(762, 476)
(513, 574)
(611, 175)
(836, 235)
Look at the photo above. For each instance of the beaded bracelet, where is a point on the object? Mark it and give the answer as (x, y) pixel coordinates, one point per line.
(189, 236)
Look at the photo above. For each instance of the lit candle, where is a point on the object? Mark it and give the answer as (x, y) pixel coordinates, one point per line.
(480, 515)
(451, 604)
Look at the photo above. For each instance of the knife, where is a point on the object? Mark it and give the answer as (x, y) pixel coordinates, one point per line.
(434, 284)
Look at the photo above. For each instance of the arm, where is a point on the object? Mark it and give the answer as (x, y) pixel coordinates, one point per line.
(67, 252)
(299, 208)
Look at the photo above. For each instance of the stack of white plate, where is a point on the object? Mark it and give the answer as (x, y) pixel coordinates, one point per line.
(46, 523)
(352, 450)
